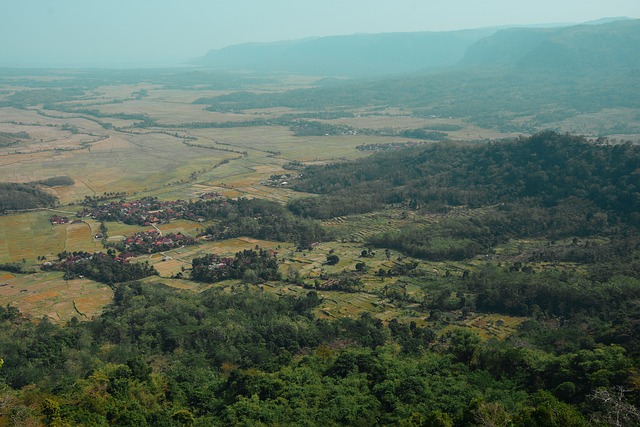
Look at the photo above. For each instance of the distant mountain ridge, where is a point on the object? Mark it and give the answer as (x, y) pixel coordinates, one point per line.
(355, 55)
(611, 40)
(613, 44)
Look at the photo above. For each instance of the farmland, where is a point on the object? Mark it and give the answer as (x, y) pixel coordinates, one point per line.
(111, 141)
(94, 141)
(47, 294)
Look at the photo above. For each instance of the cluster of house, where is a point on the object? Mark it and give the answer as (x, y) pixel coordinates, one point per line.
(278, 180)
(142, 212)
(210, 195)
(152, 241)
(73, 258)
(385, 146)
(59, 220)
(221, 262)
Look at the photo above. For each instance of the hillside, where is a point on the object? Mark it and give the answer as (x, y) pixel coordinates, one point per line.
(521, 80)
(578, 49)
(546, 167)
(548, 185)
(355, 55)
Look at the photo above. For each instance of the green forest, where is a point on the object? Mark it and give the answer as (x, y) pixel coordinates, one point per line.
(14, 196)
(541, 171)
(168, 358)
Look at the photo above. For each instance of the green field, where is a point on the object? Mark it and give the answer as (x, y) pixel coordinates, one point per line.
(30, 235)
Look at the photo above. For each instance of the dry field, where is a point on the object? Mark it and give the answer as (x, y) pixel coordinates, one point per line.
(47, 294)
(107, 154)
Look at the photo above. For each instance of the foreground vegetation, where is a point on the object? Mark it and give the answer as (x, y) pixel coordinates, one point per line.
(161, 357)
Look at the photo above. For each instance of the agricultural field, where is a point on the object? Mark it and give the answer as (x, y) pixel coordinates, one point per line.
(356, 228)
(31, 235)
(92, 141)
(48, 294)
(110, 140)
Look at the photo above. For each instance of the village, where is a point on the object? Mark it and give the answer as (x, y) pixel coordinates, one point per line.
(141, 212)
(152, 241)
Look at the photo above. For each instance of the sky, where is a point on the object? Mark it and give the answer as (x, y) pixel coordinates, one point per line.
(139, 33)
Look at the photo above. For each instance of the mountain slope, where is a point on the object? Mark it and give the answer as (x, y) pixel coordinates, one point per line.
(356, 55)
(516, 80)
(613, 45)
(570, 48)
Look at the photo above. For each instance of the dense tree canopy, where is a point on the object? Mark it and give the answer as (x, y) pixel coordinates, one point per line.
(24, 196)
(545, 168)
(163, 357)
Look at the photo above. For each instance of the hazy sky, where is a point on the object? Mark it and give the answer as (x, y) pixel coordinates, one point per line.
(169, 32)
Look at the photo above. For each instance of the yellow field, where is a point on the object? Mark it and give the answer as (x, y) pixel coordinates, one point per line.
(188, 228)
(80, 238)
(47, 294)
(118, 230)
(181, 284)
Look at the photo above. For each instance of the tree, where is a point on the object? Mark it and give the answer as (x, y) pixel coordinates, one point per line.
(184, 417)
(332, 259)
(250, 276)
(463, 344)
(548, 411)
(615, 410)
